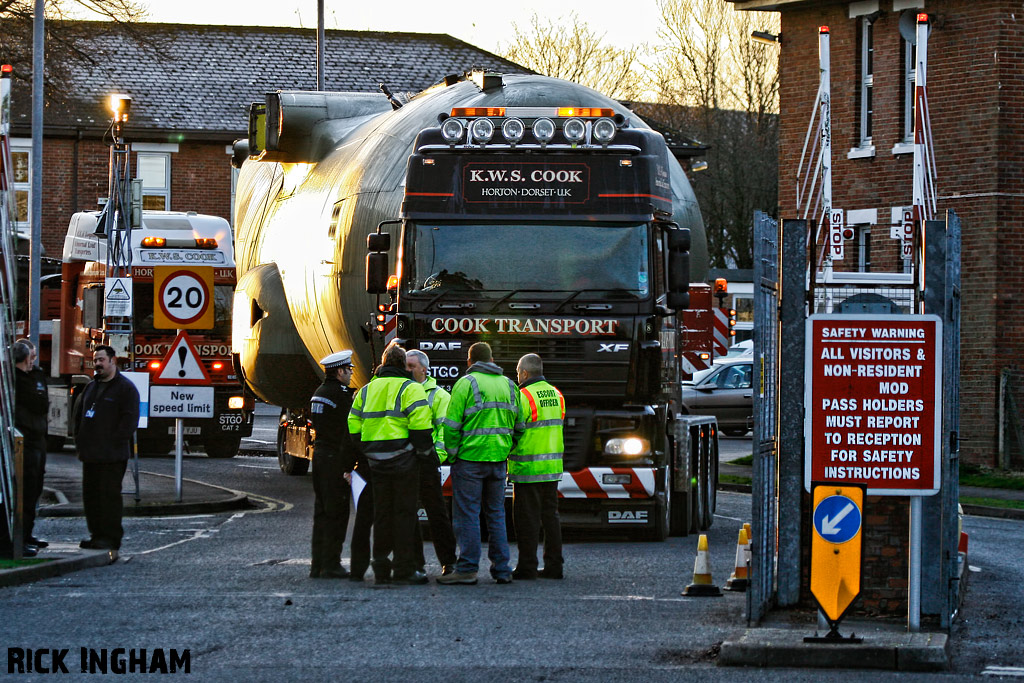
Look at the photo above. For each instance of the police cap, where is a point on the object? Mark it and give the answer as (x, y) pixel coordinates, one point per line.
(338, 359)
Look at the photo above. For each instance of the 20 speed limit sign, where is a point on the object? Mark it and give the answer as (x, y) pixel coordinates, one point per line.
(182, 298)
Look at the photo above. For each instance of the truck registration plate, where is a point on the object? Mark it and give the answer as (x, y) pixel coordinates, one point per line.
(188, 431)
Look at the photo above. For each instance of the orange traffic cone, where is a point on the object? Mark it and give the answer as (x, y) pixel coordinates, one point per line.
(738, 580)
(702, 585)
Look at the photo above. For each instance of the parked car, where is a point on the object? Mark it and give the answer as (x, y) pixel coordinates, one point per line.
(725, 391)
(743, 348)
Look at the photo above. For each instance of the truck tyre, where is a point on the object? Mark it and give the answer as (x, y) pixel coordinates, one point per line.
(706, 491)
(289, 464)
(222, 447)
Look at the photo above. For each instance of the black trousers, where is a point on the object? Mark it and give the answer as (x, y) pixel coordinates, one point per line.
(394, 521)
(34, 468)
(360, 545)
(535, 506)
(432, 500)
(330, 510)
(101, 498)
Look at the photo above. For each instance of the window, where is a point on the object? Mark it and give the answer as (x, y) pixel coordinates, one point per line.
(21, 162)
(909, 80)
(864, 248)
(867, 80)
(155, 170)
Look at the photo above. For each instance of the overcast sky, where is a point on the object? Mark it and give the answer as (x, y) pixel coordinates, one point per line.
(486, 24)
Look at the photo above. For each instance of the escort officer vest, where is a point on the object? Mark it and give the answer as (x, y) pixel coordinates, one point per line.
(537, 456)
(383, 413)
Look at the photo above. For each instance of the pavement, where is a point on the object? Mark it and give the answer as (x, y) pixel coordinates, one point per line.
(157, 497)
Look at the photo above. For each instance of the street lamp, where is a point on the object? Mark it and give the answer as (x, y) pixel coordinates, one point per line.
(120, 105)
(765, 37)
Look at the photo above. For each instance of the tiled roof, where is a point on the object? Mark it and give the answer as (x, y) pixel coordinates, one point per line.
(201, 79)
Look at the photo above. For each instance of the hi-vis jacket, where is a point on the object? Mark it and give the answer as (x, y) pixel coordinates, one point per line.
(483, 415)
(438, 400)
(389, 414)
(537, 457)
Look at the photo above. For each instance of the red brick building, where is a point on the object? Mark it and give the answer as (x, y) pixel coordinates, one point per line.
(191, 87)
(976, 102)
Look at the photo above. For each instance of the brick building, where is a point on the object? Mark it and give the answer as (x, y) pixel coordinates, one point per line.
(976, 102)
(191, 87)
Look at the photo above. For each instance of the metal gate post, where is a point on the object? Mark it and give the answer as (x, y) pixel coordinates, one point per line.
(793, 314)
(761, 594)
(939, 585)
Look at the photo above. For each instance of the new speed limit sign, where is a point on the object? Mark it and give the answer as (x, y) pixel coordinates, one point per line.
(182, 298)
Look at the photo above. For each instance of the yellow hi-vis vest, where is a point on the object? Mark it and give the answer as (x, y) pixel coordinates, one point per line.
(382, 414)
(537, 456)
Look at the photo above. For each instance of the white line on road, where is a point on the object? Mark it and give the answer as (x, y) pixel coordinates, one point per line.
(1015, 671)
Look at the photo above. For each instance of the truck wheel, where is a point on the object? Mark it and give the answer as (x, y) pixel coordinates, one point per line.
(222, 448)
(289, 464)
(706, 494)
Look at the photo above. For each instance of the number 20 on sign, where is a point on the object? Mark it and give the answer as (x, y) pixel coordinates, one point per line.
(183, 297)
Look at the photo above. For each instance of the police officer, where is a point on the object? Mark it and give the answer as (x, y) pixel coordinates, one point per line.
(391, 420)
(431, 497)
(332, 451)
(535, 468)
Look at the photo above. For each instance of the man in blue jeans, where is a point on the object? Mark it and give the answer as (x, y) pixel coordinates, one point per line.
(480, 428)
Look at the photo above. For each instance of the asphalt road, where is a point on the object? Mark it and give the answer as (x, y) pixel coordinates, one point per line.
(233, 589)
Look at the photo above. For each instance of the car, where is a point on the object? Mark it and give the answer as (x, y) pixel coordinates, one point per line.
(743, 348)
(726, 391)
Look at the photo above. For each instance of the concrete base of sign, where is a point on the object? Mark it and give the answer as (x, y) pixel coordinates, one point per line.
(882, 648)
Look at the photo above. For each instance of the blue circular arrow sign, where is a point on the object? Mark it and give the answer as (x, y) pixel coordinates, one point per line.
(837, 519)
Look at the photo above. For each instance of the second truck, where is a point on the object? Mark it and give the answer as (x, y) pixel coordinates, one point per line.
(525, 211)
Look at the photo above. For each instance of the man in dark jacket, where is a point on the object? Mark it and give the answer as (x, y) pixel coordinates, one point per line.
(31, 403)
(106, 416)
(332, 450)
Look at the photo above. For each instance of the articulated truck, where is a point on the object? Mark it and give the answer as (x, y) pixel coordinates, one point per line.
(72, 323)
(525, 211)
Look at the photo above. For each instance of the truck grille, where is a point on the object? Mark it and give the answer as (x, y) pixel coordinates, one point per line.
(508, 349)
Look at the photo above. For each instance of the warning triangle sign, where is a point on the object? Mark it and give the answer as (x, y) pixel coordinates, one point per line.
(118, 292)
(181, 365)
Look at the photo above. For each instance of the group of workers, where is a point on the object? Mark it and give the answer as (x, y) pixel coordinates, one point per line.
(385, 442)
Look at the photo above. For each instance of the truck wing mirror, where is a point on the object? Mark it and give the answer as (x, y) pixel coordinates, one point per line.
(677, 240)
(376, 273)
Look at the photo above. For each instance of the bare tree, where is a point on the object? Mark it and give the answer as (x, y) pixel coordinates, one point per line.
(727, 90)
(66, 38)
(568, 48)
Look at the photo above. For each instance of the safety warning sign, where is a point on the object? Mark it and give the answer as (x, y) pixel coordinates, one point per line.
(873, 406)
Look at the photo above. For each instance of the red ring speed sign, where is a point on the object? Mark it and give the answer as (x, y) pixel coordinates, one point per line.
(182, 298)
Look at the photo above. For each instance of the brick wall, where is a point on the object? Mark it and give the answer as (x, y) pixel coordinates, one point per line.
(200, 181)
(976, 100)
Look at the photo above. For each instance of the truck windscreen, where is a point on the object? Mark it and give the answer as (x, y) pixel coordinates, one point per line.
(493, 259)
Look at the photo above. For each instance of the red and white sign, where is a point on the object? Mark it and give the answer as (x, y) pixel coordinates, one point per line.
(182, 364)
(873, 402)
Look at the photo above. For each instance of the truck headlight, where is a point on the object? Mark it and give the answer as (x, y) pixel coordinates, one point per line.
(513, 129)
(604, 130)
(452, 130)
(544, 130)
(481, 130)
(629, 447)
(574, 130)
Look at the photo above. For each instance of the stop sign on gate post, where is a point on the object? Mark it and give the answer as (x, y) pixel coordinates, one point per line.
(873, 402)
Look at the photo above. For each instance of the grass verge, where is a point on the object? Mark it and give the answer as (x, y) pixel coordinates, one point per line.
(745, 460)
(972, 475)
(733, 479)
(993, 502)
(24, 562)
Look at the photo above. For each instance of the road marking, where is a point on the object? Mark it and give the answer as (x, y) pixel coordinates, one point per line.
(973, 568)
(631, 598)
(1015, 671)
